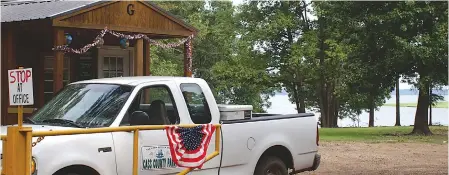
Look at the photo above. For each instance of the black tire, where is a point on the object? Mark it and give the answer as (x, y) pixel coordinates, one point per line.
(271, 165)
(68, 173)
(76, 171)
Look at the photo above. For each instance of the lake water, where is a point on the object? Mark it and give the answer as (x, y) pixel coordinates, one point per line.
(384, 116)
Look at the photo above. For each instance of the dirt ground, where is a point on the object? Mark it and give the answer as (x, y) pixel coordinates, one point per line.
(382, 158)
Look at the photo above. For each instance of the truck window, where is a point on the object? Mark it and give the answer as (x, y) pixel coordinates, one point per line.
(196, 103)
(158, 103)
(87, 105)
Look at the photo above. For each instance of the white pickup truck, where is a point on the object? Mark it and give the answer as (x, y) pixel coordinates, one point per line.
(259, 144)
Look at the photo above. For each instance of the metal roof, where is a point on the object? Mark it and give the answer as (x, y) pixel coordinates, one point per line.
(22, 10)
(30, 10)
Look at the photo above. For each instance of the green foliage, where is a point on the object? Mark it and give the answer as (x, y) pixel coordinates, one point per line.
(425, 44)
(340, 64)
(166, 62)
(217, 51)
(243, 80)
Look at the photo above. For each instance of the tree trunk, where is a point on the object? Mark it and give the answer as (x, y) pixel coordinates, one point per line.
(296, 97)
(302, 106)
(398, 111)
(322, 85)
(321, 105)
(330, 111)
(430, 115)
(329, 105)
(371, 117)
(421, 125)
(336, 109)
(371, 112)
(332, 105)
(430, 105)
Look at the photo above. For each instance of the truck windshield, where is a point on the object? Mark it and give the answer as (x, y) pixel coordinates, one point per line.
(84, 105)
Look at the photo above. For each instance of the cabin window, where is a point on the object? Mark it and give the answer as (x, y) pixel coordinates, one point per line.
(196, 103)
(158, 103)
(114, 62)
(48, 76)
(112, 67)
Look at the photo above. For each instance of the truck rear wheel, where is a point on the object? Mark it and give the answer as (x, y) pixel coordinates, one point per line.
(271, 165)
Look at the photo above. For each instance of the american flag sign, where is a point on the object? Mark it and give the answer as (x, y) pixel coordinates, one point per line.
(188, 146)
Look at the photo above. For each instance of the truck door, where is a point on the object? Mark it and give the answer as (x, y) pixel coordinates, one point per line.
(154, 151)
(200, 113)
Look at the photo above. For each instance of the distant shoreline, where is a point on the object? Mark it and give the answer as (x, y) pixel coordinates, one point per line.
(402, 92)
(442, 104)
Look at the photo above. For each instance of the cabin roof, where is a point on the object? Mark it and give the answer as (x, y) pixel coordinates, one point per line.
(26, 10)
(23, 10)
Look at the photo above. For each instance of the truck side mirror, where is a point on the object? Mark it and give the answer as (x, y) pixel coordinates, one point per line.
(139, 118)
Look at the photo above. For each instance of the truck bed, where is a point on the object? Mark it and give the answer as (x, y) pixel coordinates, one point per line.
(245, 140)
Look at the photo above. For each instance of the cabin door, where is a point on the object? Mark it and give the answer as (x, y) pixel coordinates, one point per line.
(114, 62)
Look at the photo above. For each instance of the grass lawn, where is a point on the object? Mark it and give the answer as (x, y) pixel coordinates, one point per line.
(441, 104)
(383, 134)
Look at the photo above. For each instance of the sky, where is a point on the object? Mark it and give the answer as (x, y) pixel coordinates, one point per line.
(237, 2)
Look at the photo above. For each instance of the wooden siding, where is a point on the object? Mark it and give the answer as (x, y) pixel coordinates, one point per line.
(29, 43)
(20, 47)
(114, 15)
(8, 62)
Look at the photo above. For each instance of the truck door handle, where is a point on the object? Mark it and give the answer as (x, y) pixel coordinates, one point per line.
(105, 149)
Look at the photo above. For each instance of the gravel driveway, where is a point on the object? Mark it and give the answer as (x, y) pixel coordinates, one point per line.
(382, 158)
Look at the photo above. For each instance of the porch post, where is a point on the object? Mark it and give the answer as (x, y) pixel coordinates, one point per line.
(147, 59)
(58, 62)
(188, 58)
(9, 62)
(138, 64)
(1, 82)
(146, 68)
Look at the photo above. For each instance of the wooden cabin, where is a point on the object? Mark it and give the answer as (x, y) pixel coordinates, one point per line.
(30, 30)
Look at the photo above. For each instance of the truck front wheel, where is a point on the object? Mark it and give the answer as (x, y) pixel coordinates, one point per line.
(271, 165)
(77, 170)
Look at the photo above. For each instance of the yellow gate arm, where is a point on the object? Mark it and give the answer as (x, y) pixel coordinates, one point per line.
(17, 148)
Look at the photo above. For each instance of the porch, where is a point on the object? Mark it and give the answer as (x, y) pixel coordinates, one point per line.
(30, 30)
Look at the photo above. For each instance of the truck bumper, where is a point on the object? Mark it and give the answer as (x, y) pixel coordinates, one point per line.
(316, 164)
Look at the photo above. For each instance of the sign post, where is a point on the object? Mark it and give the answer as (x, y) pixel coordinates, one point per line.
(18, 138)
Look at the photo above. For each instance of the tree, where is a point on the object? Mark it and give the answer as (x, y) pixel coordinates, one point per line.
(346, 61)
(274, 28)
(333, 75)
(426, 47)
(216, 51)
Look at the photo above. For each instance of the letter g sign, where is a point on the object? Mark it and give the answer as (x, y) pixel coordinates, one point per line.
(130, 9)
